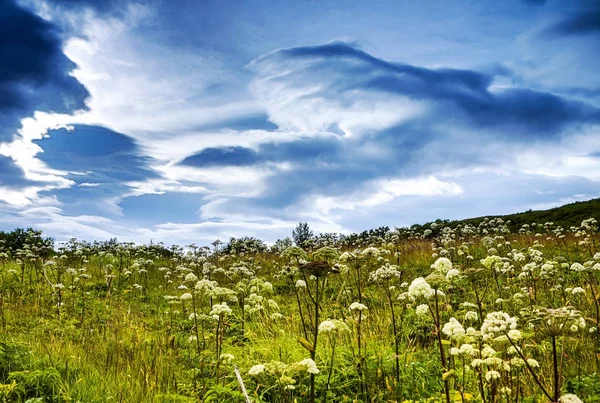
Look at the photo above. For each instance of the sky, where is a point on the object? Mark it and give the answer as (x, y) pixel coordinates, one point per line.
(187, 121)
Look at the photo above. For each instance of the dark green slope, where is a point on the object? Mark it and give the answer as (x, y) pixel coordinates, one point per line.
(566, 216)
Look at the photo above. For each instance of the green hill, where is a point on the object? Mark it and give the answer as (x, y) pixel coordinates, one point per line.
(565, 216)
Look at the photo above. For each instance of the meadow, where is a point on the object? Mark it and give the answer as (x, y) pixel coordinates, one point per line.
(473, 313)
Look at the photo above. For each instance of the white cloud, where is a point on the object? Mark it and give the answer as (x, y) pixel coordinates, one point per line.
(380, 192)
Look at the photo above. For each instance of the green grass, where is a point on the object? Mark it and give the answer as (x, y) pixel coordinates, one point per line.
(112, 341)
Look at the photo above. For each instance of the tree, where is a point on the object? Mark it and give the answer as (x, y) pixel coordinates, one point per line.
(281, 245)
(302, 235)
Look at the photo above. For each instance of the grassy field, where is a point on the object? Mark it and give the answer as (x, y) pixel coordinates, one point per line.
(461, 313)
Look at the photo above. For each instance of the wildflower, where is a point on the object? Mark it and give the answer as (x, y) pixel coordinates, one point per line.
(385, 273)
(569, 398)
(256, 370)
(326, 326)
(467, 349)
(357, 306)
(370, 252)
(492, 262)
(452, 273)
(477, 362)
(533, 363)
(577, 267)
(577, 290)
(300, 284)
(496, 323)
(227, 358)
(220, 309)
(308, 365)
(191, 277)
(420, 288)
(492, 375)
(186, 296)
(453, 329)
(471, 316)
(488, 352)
(442, 265)
(422, 310)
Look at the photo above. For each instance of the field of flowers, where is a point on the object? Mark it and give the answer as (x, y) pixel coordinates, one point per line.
(470, 314)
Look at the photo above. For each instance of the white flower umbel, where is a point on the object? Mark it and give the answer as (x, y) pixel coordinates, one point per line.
(442, 265)
(419, 288)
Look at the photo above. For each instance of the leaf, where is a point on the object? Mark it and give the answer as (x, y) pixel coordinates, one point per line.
(306, 344)
(446, 342)
(447, 375)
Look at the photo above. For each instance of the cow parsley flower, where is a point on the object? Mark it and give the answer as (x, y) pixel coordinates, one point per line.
(309, 366)
(422, 310)
(570, 398)
(256, 370)
(442, 265)
(220, 309)
(514, 335)
(497, 323)
(471, 316)
(492, 375)
(453, 329)
(186, 296)
(357, 306)
(577, 267)
(385, 273)
(419, 288)
(452, 274)
(467, 349)
(326, 326)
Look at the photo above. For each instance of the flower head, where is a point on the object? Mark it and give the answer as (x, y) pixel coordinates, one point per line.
(419, 288)
(442, 265)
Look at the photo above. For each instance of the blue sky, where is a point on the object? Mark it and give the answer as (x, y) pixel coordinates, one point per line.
(185, 121)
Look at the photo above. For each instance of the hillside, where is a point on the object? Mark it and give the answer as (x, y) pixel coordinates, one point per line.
(565, 216)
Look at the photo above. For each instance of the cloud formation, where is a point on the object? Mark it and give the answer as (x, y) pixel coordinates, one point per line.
(135, 132)
(34, 73)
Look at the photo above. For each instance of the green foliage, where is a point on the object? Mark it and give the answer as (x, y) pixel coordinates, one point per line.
(13, 357)
(36, 384)
(302, 235)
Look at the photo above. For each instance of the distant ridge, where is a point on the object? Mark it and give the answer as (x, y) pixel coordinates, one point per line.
(565, 216)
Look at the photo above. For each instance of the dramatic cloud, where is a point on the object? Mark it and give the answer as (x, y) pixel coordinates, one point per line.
(339, 74)
(34, 73)
(579, 23)
(135, 120)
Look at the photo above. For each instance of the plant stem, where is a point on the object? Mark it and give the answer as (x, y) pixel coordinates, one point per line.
(555, 369)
